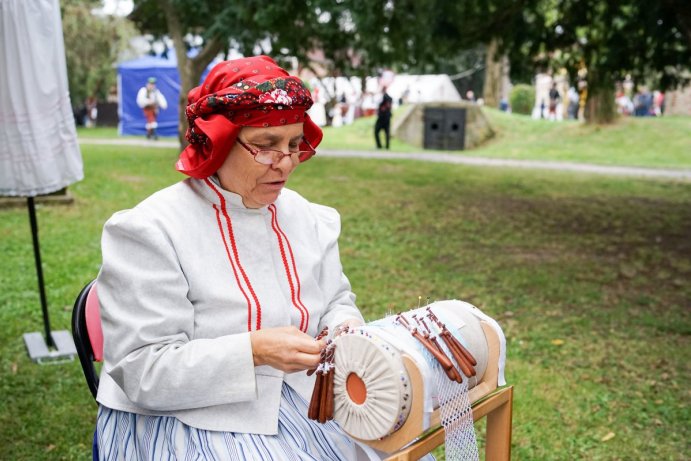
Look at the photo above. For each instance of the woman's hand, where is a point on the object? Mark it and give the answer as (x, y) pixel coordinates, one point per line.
(285, 348)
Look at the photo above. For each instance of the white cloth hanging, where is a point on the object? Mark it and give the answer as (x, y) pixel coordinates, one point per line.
(39, 153)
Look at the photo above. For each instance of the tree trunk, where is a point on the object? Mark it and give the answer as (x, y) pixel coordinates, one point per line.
(600, 107)
(189, 69)
(496, 72)
(184, 69)
(190, 74)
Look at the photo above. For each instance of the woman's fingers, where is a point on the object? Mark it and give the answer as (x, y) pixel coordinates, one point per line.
(302, 361)
(285, 348)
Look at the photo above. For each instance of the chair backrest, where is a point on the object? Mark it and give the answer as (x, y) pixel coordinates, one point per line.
(93, 323)
(87, 333)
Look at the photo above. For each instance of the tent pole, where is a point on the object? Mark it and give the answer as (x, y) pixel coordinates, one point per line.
(39, 272)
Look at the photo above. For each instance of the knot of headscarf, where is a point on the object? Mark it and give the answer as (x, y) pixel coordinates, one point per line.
(243, 92)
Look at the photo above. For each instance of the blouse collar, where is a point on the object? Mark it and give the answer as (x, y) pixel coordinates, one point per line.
(212, 191)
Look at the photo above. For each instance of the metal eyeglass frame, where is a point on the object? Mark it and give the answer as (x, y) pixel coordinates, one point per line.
(303, 155)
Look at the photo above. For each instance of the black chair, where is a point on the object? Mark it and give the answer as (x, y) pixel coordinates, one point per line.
(87, 333)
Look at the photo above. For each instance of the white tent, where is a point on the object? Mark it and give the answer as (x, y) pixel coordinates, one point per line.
(409, 88)
(423, 88)
(414, 88)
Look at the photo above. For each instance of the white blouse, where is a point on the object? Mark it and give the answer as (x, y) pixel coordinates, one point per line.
(186, 275)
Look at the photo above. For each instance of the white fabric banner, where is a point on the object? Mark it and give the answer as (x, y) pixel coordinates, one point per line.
(39, 153)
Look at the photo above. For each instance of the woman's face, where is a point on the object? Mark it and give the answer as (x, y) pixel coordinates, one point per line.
(260, 185)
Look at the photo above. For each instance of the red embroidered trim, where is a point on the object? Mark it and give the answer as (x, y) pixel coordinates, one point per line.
(237, 261)
(285, 265)
(297, 301)
(232, 264)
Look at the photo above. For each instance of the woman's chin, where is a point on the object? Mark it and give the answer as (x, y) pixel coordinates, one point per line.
(264, 199)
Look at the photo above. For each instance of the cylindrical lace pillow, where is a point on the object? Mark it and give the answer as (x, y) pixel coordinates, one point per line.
(371, 385)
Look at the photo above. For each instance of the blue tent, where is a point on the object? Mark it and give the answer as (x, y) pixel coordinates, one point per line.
(132, 75)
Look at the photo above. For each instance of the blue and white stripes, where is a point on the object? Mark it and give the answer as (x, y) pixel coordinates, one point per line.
(130, 436)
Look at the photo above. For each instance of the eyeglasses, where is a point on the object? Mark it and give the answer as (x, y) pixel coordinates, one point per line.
(274, 156)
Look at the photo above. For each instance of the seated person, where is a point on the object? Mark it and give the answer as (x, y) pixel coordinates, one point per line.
(212, 290)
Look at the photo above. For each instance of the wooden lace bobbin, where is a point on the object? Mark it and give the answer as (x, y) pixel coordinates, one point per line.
(315, 401)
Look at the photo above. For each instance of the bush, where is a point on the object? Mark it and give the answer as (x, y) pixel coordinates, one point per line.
(522, 99)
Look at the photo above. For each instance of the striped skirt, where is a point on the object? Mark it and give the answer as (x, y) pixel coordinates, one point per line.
(129, 436)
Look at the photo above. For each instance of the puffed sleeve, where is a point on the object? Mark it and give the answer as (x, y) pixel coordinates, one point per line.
(142, 99)
(162, 101)
(148, 326)
(334, 283)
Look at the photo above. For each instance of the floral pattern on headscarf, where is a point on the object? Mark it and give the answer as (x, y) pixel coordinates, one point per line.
(277, 96)
(249, 102)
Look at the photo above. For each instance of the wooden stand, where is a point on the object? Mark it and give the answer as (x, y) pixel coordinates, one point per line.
(496, 406)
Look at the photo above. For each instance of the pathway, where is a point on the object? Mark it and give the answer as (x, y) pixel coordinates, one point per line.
(438, 157)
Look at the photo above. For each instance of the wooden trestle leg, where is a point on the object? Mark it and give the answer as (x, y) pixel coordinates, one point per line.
(497, 407)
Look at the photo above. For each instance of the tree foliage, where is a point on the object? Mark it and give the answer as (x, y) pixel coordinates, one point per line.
(92, 45)
(649, 40)
(418, 35)
(608, 39)
(522, 99)
(217, 23)
(355, 36)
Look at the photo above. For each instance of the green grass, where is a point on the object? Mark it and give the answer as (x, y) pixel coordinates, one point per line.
(648, 142)
(104, 132)
(635, 141)
(360, 136)
(662, 142)
(602, 264)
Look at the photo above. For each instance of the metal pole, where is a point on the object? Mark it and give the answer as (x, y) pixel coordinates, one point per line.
(39, 272)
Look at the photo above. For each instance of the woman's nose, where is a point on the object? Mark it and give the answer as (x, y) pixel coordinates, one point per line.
(286, 164)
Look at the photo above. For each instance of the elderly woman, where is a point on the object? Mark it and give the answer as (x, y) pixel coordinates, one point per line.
(212, 290)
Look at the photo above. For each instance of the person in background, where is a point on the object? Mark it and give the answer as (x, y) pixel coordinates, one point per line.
(404, 96)
(504, 104)
(151, 101)
(572, 109)
(554, 98)
(624, 104)
(658, 103)
(91, 116)
(383, 119)
(643, 103)
(368, 104)
(212, 290)
(112, 96)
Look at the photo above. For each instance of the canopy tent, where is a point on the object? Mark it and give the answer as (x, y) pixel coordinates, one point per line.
(402, 88)
(423, 88)
(132, 75)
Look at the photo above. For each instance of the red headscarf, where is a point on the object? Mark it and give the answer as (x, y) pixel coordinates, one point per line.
(243, 92)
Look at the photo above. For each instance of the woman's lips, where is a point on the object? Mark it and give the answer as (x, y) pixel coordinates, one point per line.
(275, 184)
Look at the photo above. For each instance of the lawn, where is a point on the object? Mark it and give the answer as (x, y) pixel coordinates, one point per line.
(633, 141)
(588, 276)
(663, 142)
